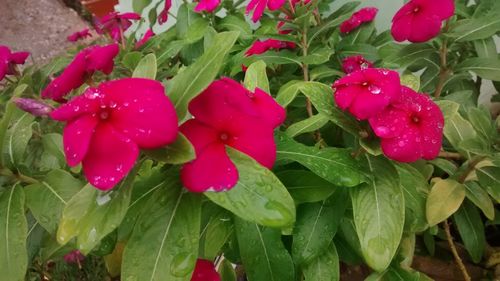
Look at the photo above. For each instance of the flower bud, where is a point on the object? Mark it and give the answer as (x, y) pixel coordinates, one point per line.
(37, 108)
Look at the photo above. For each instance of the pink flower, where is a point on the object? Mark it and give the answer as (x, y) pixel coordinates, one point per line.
(205, 271)
(74, 257)
(145, 38)
(163, 16)
(366, 92)
(36, 108)
(8, 60)
(207, 5)
(410, 128)
(83, 66)
(228, 114)
(358, 18)
(355, 63)
(258, 7)
(259, 47)
(106, 126)
(421, 20)
(79, 35)
(115, 24)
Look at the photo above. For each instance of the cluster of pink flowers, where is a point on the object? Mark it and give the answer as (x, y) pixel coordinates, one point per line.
(355, 63)
(83, 66)
(358, 18)
(409, 124)
(227, 114)
(9, 60)
(115, 24)
(421, 20)
(79, 35)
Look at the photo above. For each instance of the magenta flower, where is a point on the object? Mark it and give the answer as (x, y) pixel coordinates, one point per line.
(115, 24)
(258, 7)
(74, 257)
(355, 63)
(145, 38)
(228, 114)
(366, 92)
(206, 5)
(8, 60)
(106, 126)
(36, 108)
(205, 271)
(163, 16)
(259, 47)
(358, 18)
(421, 20)
(83, 66)
(79, 35)
(410, 128)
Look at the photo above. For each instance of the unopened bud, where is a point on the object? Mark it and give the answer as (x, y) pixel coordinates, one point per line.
(35, 107)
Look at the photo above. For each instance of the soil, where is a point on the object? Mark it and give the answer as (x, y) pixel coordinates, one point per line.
(38, 26)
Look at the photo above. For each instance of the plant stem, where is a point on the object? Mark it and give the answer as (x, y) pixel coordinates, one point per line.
(450, 155)
(444, 72)
(453, 249)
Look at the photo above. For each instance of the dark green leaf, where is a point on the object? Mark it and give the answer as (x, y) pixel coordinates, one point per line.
(305, 186)
(489, 178)
(485, 68)
(471, 229)
(325, 267)
(179, 152)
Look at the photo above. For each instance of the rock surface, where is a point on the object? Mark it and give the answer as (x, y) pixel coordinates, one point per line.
(38, 26)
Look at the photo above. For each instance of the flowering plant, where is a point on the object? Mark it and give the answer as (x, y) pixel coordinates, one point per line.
(274, 140)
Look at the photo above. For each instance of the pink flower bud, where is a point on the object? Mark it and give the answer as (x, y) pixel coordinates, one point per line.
(36, 108)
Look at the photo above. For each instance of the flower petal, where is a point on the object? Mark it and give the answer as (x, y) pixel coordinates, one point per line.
(207, 5)
(141, 111)
(268, 108)
(404, 148)
(389, 123)
(212, 170)
(84, 103)
(101, 58)
(205, 271)
(110, 157)
(76, 138)
(71, 78)
(19, 57)
(199, 134)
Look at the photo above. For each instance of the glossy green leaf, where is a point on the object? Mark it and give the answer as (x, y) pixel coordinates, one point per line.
(146, 68)
(307, 125)
(47, 199)
(457, 130)
(486, 48)
(234, 23)
(196, 77)
(197, 30)
(316, 225)
(379, 213)
(169, 50)
(445, 198)
(226, 271)
(409, 54)
(326, 26)
(258, 196)
(263, 253)
(306, 186)
(216, 227)
(131, 60)
(179, 152)
(480, 198)
(319, 56)
(164, 243)
(92, 214)
(365, 50)
(333, 164)
(288, 92)
(325, 267)
(489, 178)
(17, 138)
(256, 77)
(186, 16)
(470, 226)
(474, 29)
(13, 233)
(485, 68)
(415, 190)
(53, 144)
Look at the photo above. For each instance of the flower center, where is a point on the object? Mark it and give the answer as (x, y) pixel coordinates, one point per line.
(364, 84)
(416, 9)
(224, 137)
(415, 119)
(104, 114)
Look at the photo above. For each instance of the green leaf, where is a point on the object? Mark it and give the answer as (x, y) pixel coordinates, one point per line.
(131, 60)
(365, 50)
(318, 56)
(234, 23)
(445, 198)
(216, 227)
(196, 77)
(415, 190)
(169, 50)
(308, 125)
(53, 144)
(486, 48)
(360, 35)
(179, 152)
(325, 267)
(378, 209)
(273, 57)
(305, 186)
(409, 54)
(335, 165)
(146, 68)
(186, 16)
(165, 237)
(92, 214)
(489, 178)
(458, 130)
(474, 29)
(485, 68)
(480, 119)
(264, 255)
(197, 30)
(288, 92)
(323, 71)
(17, 138)
(13, 233)
(47, 199)
(316, 225)
(256, 77)
(139, 5)
(226, 271)
(471, 229)
(411, 81)
(326, 26)
(258, 196)
(480, 198)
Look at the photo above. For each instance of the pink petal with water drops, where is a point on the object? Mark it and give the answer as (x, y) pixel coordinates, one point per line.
(389, 123)
(212, 170)
(405, 148)
(140, 110)
(199, 134)
(71, 78)
(268, 108)
(110, 157)
(82, 104)
(76, 138)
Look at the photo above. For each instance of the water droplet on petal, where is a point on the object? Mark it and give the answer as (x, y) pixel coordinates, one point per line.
(374, 89)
